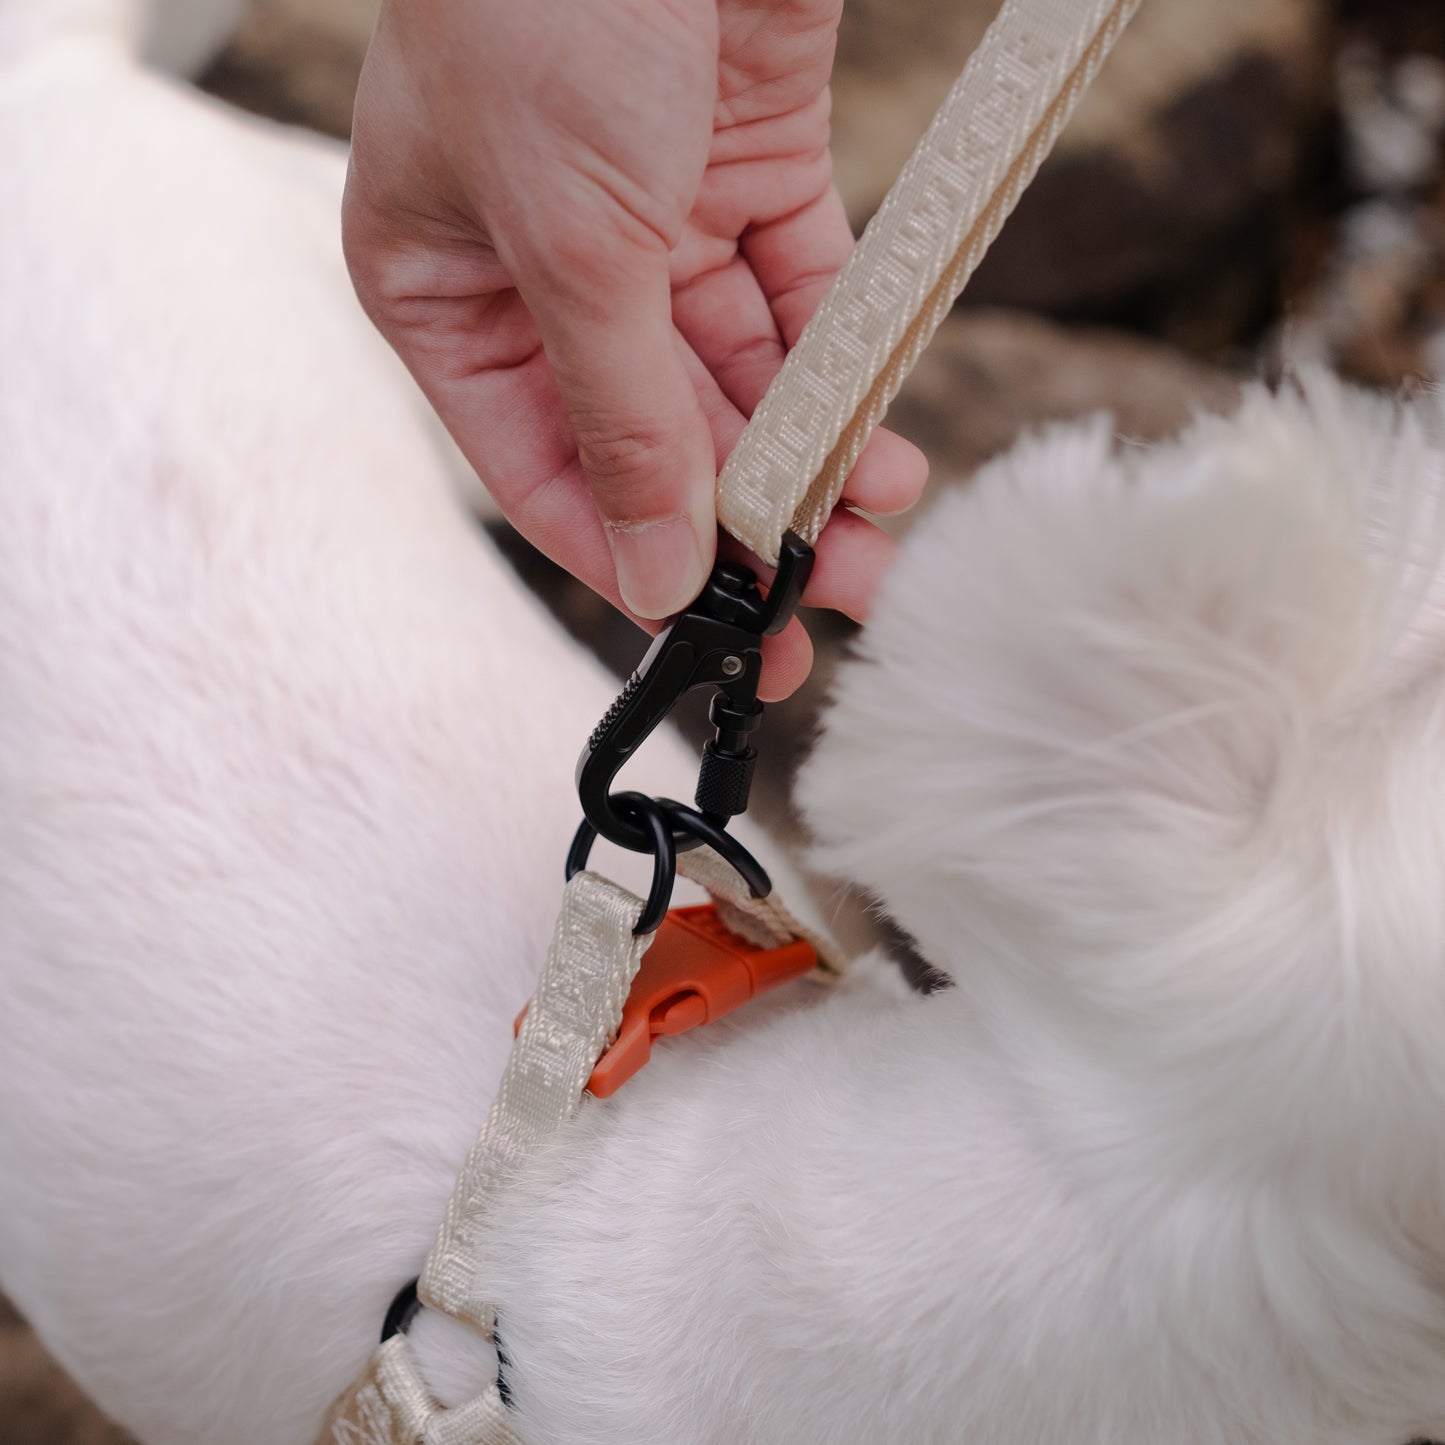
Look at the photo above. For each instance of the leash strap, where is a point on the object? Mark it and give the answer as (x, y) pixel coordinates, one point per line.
(963, 179)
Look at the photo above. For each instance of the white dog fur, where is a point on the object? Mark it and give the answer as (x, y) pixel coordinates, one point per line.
(1147, 750)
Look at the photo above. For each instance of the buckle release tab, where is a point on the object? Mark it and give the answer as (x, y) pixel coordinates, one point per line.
(695, 972)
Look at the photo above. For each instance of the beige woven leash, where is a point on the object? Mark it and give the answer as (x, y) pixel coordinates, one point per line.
(786, 473)
(964, 178)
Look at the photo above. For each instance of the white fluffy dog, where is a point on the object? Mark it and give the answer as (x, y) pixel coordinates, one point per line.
(1147, 751)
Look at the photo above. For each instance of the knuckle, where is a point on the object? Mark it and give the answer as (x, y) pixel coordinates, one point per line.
(571, 256)
(587, 273)
(369, 261)
(625, 465)
(756, 351)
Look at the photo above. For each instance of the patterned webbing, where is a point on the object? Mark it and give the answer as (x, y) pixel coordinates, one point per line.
(573, 1017)
(964, 178)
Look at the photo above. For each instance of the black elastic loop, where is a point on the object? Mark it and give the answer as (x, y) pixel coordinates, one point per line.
(404, 1309)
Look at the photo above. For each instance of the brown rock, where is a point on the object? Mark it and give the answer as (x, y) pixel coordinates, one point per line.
(1367, 293)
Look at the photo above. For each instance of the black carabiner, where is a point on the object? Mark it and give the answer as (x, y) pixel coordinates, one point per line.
(716, 643)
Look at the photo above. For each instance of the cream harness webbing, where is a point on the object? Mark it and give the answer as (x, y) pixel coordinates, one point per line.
(590, 966)
(786, 474)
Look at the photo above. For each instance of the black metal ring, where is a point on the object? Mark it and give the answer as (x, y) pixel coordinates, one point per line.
(581, 849)
(704, 830)
(664, 856)
(402, 1311)
(673, 827)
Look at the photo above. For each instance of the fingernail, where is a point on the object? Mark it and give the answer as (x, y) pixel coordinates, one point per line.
(660, 565)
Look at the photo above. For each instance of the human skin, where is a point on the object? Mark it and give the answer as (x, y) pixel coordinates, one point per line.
(591, 231)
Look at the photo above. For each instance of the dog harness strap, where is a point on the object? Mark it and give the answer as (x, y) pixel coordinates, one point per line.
(964, 178)
(391, 1405)
(590, 966)
(593, 959)
(764, 922)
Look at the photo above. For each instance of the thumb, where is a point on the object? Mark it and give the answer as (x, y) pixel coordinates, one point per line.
(642, 436)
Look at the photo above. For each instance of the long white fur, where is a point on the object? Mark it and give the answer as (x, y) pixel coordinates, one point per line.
(1146, 749)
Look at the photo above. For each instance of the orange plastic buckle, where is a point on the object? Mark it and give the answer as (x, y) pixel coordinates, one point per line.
(694, 972)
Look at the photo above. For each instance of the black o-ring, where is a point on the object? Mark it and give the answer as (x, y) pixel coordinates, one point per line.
(673, 827)
(664, 856)
(578, 853)
(704, 830)
(402, 1311)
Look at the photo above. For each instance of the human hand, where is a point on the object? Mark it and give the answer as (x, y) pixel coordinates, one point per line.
(591, 230)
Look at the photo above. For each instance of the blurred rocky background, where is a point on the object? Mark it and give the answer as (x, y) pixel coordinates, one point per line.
(1251, 185)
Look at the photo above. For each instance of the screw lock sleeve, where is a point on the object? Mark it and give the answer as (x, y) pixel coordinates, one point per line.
(724, 780)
